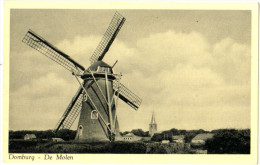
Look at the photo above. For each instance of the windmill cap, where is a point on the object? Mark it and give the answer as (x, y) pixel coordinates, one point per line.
(98, 70)
(97, 64)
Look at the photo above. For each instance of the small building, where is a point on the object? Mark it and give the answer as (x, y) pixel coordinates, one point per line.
(178, 138)
(146, 139)
(130, 137)
(57, 140)
(200, 139)
(165, 141)
(29, 137)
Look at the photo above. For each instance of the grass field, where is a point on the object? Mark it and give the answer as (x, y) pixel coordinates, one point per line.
(77, 147)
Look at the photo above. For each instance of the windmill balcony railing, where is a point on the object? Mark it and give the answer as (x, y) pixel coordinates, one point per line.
(100, 75)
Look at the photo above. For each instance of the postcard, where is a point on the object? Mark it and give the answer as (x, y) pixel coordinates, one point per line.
(130, 82)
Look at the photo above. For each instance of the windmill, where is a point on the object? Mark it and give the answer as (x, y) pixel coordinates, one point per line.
(97, 97)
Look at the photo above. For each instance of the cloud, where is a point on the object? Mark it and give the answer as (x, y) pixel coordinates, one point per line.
(181, 74)
(50, 85)
(40, 103)
(232, 61)
(80, 48)
(188, 82)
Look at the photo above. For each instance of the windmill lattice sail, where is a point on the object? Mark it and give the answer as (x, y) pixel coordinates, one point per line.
(126, 95)
(71, 112)
(38, 43)
(108, 38)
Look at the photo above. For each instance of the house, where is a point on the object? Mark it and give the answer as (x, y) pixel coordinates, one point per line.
(130, 137)
(146, 139)
(178, 138)
(57, 140)
(165, 141)
(200, 139)
(29, 137)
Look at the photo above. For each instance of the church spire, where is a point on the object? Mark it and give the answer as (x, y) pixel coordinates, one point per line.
(152, 126)
(153, 119)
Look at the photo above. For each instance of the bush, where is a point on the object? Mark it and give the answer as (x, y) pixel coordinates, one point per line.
(121, 147)
(66, 134)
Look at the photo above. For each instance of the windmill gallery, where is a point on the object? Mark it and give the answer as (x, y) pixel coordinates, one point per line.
(96, 99)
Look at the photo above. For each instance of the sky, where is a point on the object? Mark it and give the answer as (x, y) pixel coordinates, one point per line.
(191, 67)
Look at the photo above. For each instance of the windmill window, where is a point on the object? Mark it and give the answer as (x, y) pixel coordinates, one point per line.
(104, 69)
(94, 114)
(85, 97)
(80, 130)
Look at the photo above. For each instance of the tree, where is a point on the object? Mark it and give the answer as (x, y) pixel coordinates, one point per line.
(173, 131)
(138, 132)
(182, 132)
(229, 141)
(189, 136)
(157, 137)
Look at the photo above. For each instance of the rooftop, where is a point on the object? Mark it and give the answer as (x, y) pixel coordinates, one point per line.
(203, 136)
(178, 137)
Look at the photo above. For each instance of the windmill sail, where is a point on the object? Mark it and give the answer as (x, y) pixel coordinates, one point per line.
(38, 43)
(71, 113)
(126, 95)
(108, 38)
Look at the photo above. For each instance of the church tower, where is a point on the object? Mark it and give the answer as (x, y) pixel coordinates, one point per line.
(152, 126)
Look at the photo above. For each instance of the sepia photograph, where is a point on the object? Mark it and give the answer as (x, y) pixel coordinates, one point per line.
(129, 81)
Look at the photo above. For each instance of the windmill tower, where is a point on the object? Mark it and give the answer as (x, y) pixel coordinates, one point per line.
(152, 126)
(99, 88)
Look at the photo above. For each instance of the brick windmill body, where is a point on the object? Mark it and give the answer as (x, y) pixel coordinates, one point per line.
(94, 125)
(97, 97)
